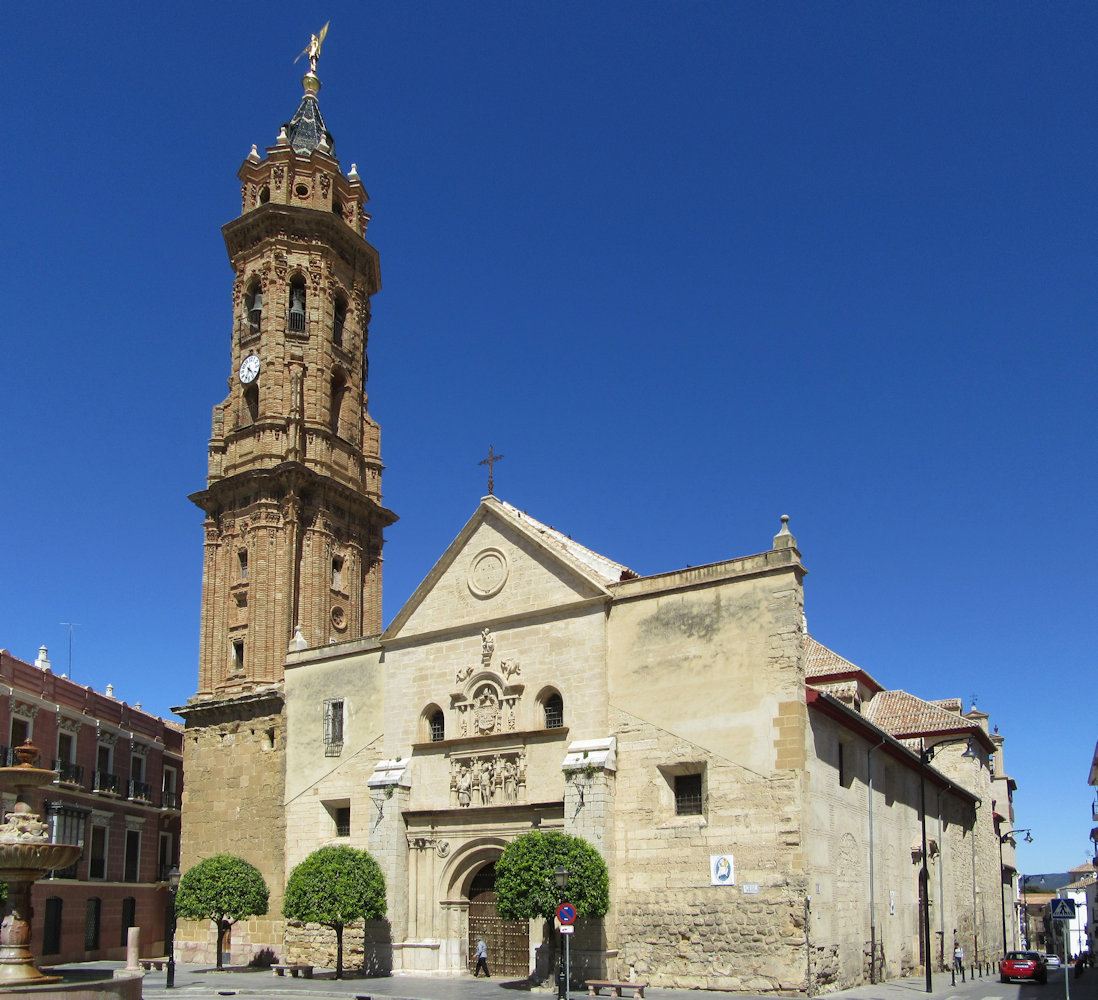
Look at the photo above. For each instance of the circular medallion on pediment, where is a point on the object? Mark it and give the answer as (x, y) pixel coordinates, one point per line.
(339, 619)
(488, 573)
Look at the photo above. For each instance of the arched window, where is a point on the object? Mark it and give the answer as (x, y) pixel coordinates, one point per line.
(338, 319)
(339, 388)
(554, 711)
(297, 304)
(253, 307)
(264, 195)
(437, 725)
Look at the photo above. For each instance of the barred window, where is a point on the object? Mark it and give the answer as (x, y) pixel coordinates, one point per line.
(343, 821)
(333, 727)
(437, 724)
(688, 795)
(554, 712)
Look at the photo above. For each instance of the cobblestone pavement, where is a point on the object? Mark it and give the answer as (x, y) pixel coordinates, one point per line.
(192, 981)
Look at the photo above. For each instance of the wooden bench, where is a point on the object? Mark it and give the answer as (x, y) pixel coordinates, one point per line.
(293, 969)
(153, 963)
(595, 986)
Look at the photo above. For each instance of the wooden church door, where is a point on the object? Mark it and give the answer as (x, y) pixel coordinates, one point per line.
(508, 941)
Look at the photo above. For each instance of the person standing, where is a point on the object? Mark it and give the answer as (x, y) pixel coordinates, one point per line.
(482, 960)
(959, 961)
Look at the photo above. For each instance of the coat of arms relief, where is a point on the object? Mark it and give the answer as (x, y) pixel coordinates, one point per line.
(487, 704)
(487, 701)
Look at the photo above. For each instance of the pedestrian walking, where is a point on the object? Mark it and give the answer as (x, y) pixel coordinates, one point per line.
(959, 961)
(482, 960)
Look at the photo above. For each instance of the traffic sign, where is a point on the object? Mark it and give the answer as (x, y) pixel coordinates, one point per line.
(1063, 909)
(567, 929)
(566, 913)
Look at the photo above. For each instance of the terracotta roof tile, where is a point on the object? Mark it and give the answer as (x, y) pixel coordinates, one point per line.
(819, 660)
(903, 715)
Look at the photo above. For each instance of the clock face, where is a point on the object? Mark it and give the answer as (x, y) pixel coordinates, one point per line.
(249, 368)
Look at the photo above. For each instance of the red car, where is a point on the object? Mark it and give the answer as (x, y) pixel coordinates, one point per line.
(1023, 965)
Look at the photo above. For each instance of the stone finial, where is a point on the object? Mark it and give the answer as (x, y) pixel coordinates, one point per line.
(298, 642)
(323, 145)
(253, 156)
(784, 539)
(283, 137)
(352, 174)
(110, 691)
(43, 660)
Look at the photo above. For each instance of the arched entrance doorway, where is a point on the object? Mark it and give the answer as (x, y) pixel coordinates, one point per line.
(508, 941)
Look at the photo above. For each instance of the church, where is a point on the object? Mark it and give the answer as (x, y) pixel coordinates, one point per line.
(771, 816)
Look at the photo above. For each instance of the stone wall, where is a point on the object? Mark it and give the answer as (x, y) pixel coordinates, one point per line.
(234, 760)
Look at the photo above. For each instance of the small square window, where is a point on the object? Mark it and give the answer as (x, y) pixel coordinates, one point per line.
(688, 795)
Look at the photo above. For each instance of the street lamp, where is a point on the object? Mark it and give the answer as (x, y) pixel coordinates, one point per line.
(173, 888)
(1003, 838)
(561, 877)
(926, 755)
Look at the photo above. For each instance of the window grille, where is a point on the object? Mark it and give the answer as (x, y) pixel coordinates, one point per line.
(343, 821)
(297, 306)
(554, 712)
(333, 727)
(438, 727)
(688, 795)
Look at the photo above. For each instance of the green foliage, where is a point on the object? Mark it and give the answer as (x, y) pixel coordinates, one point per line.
(334, 886)
(223, 888)
(526, 887)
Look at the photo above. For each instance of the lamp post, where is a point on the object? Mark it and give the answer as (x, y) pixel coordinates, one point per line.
(926, 755)
(173, 888)
(561, 877)
(1003, 838)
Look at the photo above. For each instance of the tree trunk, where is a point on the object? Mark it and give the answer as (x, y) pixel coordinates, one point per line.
(339, 951)
(221, 926)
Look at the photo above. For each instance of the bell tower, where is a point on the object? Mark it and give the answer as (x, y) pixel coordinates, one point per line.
(293, 514)
(293, 498)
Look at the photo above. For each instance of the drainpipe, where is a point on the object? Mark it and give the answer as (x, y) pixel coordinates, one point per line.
(941, 884)
(872, 879)
(975, 922)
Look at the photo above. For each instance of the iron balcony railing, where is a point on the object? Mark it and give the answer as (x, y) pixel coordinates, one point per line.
(169, 800)
(107, 782)
(140, 790)
(69, 773)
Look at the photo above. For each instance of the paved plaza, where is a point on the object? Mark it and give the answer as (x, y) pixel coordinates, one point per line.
(202, 981)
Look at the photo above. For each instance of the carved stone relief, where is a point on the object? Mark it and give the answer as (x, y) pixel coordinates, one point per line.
(488, 779)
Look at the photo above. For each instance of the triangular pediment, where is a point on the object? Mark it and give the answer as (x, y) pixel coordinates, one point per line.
(502, 565)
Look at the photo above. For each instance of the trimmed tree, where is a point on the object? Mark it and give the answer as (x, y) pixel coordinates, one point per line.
(333, 887)
(224, 889)
(526, 887)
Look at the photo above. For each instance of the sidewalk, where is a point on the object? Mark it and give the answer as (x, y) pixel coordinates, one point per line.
(203, 981)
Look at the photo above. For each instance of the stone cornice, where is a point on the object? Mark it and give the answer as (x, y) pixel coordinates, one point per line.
(307, 226)
(205, 712)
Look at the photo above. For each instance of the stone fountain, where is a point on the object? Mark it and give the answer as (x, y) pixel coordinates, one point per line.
(26, 854)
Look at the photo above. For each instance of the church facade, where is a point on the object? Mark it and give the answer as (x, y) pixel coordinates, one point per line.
(759, 801)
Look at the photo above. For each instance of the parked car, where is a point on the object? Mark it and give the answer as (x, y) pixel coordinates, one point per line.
(1023, 965)
(1053, 961)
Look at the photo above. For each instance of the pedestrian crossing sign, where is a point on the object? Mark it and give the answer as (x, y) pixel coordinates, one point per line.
(1063, 909)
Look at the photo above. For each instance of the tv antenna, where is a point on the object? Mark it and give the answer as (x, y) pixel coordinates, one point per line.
(71, 626)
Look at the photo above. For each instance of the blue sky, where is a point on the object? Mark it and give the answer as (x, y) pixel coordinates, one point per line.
(688, 266)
